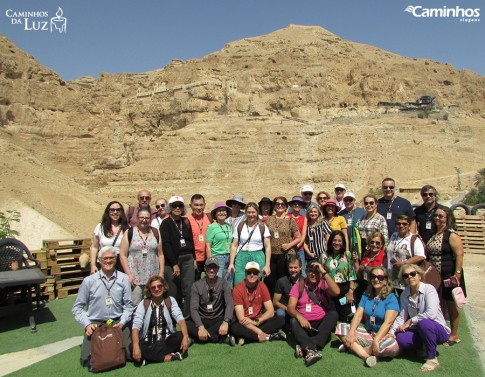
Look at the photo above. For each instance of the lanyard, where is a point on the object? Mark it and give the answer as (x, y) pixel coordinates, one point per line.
(227, 234)
(108, 288)
(376, 302)
(254, 296)
(179, 228)
(144, 240)
(200, 225)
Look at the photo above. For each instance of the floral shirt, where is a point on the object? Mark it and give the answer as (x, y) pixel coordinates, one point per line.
(340, 267)
(143, 257)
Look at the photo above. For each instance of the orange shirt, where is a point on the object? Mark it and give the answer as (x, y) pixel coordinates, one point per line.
(199, 230)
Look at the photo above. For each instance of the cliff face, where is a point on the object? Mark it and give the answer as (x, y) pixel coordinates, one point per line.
(224, 118)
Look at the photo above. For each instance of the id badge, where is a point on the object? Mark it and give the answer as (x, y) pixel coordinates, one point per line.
(144, 252)
(349, 222)
(201, 238)
(109, 300)
(308, 308)
(210, 308)
(276, 234)
(428, 224)
(389, 215)
(372, 320)
(364, 274)
(311, 239)
(182, 242)
(250, 310)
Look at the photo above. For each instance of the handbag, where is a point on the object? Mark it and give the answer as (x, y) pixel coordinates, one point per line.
(458, 295)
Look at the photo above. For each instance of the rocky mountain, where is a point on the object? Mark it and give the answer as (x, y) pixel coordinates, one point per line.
(261, 116)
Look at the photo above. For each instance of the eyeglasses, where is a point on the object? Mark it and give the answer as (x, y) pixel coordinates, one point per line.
(348, 200)
(339, 189)
(160, 206)
(378, 243)
(107, 259)
(425, 194)
(369, 203)
(388, 187)
(156, 287)
(252, 272)
(439, 216)
(378, 277)
(321, 198)
(144, 218)
(279, 204)
(407, 275)
(177, 205)
(113, 210)
(307, 193)
(144, 197)
(402, 224)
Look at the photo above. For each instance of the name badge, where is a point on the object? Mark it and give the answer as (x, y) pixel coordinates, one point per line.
(311, 239)
(144, 252)
(201, 237)
(182, 242)
(210, 308)
(228, 246)
(308, 308)
(109, 300)
(349, 221)
(389, 215)
(364, 275)
(428, 224)
(372, 320)
(250, 310)
(276, 234)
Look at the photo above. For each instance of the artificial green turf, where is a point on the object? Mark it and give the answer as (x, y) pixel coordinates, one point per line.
(268, 359)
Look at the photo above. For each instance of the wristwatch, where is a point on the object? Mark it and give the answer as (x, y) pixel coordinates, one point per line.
(458, 272)
(227, 319)
(256, 321)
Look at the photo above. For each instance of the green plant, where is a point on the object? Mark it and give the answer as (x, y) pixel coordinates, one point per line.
(446, 116)
(477, 194)
(6, 220)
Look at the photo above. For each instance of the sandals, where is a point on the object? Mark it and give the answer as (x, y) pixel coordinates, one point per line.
(430, 365)
(298, 351)
(311, 357)
(451, 343)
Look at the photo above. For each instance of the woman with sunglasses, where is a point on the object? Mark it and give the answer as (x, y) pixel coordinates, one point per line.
(285, 236)
(420, 324)
(445, 252)
(154, 335)
(160, 206)
(219, 239)
(340, 266)
(336, 222)
(380, 307)
(403, 247)
(372, 221)
(141, 254)
(322, 197)
(109, 232)
(318, 233)
(297, 203)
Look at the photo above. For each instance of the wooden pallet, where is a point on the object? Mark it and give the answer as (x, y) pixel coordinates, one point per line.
(68, 291)
(471, 229)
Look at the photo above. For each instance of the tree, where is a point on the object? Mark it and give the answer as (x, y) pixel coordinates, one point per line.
(6, 220)
(480, 178)
(477, 194)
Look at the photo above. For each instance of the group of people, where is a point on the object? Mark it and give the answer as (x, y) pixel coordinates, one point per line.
(255, 272)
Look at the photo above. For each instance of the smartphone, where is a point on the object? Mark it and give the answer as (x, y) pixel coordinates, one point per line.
(314, 330)
(447, 283)
(343, 300)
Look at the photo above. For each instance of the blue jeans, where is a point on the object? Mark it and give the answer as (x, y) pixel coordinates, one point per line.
(223, 266)
(301, 254)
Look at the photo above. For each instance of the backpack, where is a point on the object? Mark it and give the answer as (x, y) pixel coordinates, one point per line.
(154, 230)
(261, 230)
(168, 304)
(107, 348)
(325, 305)
(431, 274)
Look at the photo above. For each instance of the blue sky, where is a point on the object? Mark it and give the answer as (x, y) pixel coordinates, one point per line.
(137, 36)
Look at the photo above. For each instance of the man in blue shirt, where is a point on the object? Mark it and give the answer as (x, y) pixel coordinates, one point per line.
(103, 297)
(391, 206)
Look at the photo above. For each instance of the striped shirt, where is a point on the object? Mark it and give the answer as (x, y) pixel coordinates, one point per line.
(315, 238)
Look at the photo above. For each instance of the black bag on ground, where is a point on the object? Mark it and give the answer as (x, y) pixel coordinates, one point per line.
(107, 348)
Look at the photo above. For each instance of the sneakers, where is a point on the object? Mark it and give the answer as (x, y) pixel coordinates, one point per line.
(241, 342)
(342, 348)
(311, 357)
(230, 340)
(280, 335)
(371, 361)
(177, 356)
(298, 351)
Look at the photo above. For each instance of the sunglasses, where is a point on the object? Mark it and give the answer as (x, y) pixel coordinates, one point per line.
(378, 243)
(307, 193)
(439, 216)
(296, 204)
(160, 206)
(378, 277)
(114, 210)
(430, 194)
(322, 198)
(348, 200)
(369, 203)
(407, 275)
(156, 287)
(144, 197)
(388, 187)
(339, 189)
(279, 204)
(252, 272)
(177, 205)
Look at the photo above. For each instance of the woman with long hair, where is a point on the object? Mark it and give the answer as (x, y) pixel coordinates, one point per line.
(380, 307)
(372, 221)
(340, 266)
(445, 252)
(154, 335)
(318, 233)
(109, 232)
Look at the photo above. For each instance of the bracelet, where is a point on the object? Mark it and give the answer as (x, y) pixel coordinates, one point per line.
(458, 272)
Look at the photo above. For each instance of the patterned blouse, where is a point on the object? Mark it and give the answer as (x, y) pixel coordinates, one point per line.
(375, 223)
(143, 257)
(340, 267)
